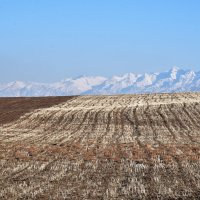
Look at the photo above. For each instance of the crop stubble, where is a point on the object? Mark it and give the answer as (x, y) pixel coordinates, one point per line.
(100, 147)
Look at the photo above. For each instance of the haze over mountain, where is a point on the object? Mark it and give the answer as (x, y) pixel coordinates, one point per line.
(174, 80)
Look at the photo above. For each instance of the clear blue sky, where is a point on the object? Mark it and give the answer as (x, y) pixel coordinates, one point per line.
(48, 40)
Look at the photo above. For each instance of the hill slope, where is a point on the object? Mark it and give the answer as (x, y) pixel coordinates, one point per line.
(103, 147)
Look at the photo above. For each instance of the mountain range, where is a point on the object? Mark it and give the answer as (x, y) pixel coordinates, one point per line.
(174, 80)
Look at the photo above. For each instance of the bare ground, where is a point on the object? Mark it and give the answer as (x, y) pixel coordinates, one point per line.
(100, 147)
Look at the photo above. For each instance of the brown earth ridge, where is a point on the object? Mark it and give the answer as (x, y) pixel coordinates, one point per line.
(100, 147)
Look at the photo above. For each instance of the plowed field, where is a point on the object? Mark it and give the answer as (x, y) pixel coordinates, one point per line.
(100, 147)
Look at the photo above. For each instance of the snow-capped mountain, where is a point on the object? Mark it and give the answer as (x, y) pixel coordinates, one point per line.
(174, 80)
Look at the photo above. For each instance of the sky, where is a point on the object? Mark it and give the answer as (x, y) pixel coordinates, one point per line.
(49, 40)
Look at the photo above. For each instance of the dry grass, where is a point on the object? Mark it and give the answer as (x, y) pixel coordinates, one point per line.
(103, 147)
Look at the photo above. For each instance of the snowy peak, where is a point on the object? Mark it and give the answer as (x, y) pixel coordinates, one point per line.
(174, 80)
(174, 72)
(17, 84)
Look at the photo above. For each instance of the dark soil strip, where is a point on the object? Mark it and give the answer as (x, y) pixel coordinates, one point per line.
(12, 108)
